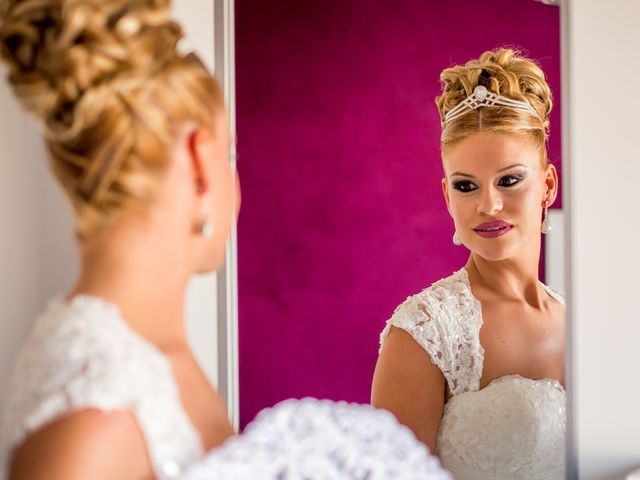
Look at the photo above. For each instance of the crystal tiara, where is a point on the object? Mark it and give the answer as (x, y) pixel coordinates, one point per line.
(481, 97)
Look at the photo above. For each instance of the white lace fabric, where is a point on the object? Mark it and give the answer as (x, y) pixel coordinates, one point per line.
(433, 318)
(82, 355)
(321, 440)
(514, 428)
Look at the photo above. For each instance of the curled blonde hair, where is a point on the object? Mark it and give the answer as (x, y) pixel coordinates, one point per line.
(505, 72)
(106, 81)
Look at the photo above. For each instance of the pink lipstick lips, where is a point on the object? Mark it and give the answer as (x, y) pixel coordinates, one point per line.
(493, 229)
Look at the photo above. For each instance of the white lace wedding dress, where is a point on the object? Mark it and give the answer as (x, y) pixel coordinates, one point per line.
(514, 428)
(82, 354)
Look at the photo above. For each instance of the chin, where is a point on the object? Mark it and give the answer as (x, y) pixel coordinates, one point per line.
(494, 253)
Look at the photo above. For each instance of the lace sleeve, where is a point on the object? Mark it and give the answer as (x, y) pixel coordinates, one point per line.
(445, 320)
(83, 356)
(320, 439)
(413, 316)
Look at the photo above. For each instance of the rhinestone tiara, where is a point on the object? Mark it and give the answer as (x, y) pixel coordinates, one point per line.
(481, 97)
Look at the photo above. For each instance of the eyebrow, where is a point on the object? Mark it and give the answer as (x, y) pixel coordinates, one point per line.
(460, 174)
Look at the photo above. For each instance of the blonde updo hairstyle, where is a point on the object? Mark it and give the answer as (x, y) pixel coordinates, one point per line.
(111, 90)
(505, 72)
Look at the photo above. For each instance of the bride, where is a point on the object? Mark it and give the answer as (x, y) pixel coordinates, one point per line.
(474, 363)
(137, 139)
(106, 385)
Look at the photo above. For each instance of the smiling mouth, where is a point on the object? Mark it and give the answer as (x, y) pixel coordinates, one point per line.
(493, 229)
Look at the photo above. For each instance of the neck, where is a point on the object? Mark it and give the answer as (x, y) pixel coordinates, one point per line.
(511, 279)
(144, 277)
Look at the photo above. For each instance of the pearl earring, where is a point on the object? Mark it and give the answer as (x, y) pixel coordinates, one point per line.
(546, 225)
(206, 229)
(456, 239)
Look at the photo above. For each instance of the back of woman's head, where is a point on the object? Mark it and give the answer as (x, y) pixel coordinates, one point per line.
(505, 72)
(111, 90)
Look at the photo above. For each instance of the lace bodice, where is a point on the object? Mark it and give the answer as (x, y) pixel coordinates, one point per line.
(514, 428)
(313, 439)
(82, 354)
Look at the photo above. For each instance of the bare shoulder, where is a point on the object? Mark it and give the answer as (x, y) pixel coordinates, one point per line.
(409, 385)
(85, 444)
(403, 362)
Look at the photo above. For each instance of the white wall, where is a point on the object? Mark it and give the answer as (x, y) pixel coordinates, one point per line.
(604, 37)
(37, 251)
(554, 255)
(21, 160)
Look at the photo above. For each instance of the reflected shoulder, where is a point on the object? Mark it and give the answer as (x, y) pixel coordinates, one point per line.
(409, 385)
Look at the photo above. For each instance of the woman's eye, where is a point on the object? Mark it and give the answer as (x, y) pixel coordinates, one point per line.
(509, 181)
(464, 186)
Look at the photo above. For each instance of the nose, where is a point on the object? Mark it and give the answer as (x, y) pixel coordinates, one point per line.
(490, 202)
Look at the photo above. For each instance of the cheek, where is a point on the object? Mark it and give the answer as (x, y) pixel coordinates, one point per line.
(229, 195)
(525, 203)
(461, 208)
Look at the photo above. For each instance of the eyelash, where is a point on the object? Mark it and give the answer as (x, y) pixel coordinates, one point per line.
(463, 185)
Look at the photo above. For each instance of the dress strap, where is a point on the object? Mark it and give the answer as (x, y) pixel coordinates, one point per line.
(559, 296)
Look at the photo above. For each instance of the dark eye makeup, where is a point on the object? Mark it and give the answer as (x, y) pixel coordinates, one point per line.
(464, 186)
(507, 181)
(510, 180)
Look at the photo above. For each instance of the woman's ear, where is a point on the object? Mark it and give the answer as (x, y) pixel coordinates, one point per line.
(201, 149)
(551, 183)
(445, 193)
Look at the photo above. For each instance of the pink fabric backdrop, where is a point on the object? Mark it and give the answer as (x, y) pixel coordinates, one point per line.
(338, 135)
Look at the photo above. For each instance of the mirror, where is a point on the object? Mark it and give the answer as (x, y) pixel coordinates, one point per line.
(343, 218)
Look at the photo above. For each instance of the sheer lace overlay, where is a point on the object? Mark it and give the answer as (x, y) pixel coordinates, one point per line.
(82, 355)
(319, 439)
(514, 428)
(445, 319)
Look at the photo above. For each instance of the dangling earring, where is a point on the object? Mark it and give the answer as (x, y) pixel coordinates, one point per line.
(456, 239)
(546, 225)
(206, 228)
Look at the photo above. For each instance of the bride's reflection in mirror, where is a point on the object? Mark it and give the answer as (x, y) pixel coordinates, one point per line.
(474, 363)
(346, 216)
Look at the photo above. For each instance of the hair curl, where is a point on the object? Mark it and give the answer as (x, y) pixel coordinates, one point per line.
(506, 72)
(110, 88)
